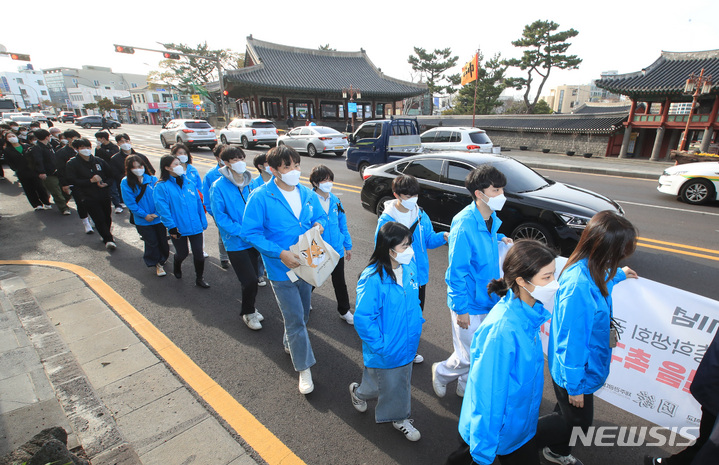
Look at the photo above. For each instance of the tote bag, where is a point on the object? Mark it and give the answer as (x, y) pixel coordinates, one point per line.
(317, 258)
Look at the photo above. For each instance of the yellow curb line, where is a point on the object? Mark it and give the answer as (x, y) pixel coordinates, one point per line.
(266, 444)
(681, 252)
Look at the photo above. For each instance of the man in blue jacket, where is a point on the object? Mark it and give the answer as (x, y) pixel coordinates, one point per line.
(213, 175)
(473, 263)
(277, 213)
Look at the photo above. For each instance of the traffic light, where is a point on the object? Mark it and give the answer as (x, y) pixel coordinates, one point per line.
(171, 56)
(20, 56)
(225, 93)
(124, 49)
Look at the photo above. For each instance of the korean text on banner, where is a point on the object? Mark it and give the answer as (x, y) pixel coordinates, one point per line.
(317, 258)
(664, 334)
(469, 71)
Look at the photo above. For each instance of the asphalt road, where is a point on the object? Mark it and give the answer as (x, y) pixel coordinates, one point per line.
(323, 427)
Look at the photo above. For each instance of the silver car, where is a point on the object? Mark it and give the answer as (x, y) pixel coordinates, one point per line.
(456, 138)
(315, 139)
(191, 132)
(249, 132)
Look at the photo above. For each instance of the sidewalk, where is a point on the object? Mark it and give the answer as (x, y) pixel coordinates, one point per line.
(66, 359)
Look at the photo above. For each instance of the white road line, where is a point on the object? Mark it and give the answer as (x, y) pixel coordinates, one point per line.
(666, 208)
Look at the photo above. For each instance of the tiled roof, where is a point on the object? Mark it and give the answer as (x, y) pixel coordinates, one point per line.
(283, 67)
(666, 76)
(586, 124)
(597, 108)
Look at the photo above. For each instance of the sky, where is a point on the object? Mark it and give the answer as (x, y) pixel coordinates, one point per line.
(625, 37)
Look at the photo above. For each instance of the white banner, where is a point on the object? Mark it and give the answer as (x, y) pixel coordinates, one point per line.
(664, 334)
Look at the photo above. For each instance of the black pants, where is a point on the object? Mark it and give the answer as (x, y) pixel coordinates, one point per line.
(34, 190)
(244, 262)
(81, 210)
(555, 430)
(157, 249)
(422, 294)
(100, 211)
(687, 456)
(338, 282)
(525, 455)
(182, 251)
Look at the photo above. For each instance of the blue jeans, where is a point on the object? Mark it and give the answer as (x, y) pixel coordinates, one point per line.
(115, 193)
(157, 249)
(294, 302)
(392, 388)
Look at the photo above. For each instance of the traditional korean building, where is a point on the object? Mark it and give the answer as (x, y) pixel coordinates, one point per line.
(660, 107)
(280, 80)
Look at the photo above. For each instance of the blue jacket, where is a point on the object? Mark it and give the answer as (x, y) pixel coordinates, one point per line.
(473, 261)
(578, 352)
(180, 207)
(194, 176)
(388, 317)
(147, 202)
(506, 380)
(228, 203)
(271, 227)
(210, 177)
(258, 181)
(336, 233)
(423, 238)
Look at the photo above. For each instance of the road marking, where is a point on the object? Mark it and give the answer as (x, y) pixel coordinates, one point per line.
(267, 445)
(667, 208)
(596, 174)
(681, 252)
(690, 247)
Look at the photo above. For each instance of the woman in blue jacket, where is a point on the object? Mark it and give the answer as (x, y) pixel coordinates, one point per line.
(389, 320)
(182, 152)
(336, 235)
(137, 193)
(582, 333)
(506, 374)
(178, 203)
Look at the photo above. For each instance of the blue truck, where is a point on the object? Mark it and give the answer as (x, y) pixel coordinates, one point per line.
(382, 141)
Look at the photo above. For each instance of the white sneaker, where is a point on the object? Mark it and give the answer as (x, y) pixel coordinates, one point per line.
(110, 245)
(259, 316)
(460, 390)
(359, 404)
(252, 322)
(418, 359)
(287, 350)
(88, 228)
(261, 281)
(40, 207)
(123, 205)
(205, 254)
(160, 270)
(409, 431)
(306, 384)
(118, 210)
(67, 212)
(439, 388)
(561, 459)
(47, 207)
(348, 317)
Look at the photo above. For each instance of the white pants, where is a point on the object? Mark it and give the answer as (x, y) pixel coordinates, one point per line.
(457, 365)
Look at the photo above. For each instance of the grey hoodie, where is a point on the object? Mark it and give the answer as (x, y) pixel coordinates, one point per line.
(227, 173)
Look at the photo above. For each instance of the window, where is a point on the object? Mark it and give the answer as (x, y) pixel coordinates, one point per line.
(43, 92)
(520, 178)
(156, 98)
(295, 132)
(40, 83)
(96, 82)
(402, 128)
(455, 137)
(479, 138)
(305, 132)
(443, 136)
(270, 108)
(329, 110)
(108, 88)
(133, 85)
(428, 136)
(457, 173)
(19, 81)
(144, 100)
(198, 124)
(430, 170)
(261, 124)
(301, 109)
(367, 131)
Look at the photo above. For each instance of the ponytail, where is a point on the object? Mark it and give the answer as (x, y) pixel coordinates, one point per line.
(497, 286)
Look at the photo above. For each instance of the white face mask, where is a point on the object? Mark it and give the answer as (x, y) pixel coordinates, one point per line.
(139, 172)
(495, 203)
(410, 203)
(183, 158)
(403, 258)
(239, 167)
(85, 152)
(291, 178)
(268, 170)
(126, 146)
(325, 187)
(544, 294)
(178, 170)
(12, 140)
(64, 142)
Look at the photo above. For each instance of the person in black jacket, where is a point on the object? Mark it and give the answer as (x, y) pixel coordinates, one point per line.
(20, 161)
(89, 176)
(117, 162)
(105, 149)
(44, 158)
(62, 156)
(55, 141)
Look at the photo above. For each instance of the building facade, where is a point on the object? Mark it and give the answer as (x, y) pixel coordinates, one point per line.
(159, 103)
(27, 88)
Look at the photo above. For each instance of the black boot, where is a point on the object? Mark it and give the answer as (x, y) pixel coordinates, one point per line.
(199, 271)
(177, 268)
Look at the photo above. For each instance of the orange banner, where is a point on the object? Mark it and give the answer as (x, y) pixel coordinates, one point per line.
(469, 71)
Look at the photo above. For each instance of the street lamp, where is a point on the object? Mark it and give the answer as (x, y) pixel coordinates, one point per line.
(351, 92)
(697, 85)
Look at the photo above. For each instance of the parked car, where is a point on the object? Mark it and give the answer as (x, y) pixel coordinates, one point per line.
(18, 118)
(315, 139)
(66, 117)
(191, 132)
(694, 183)
(38, 117)
(249, 132)
(49, 115)
(456, 138)
(381, 141)
(90, 121)
(537, 207)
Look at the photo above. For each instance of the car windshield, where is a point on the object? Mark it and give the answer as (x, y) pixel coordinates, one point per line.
(320, 130)
(197, 124)
(262, 124)
(479, 138)
(520, 178)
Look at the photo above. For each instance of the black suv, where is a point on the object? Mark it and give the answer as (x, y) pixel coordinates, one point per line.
(88, 122)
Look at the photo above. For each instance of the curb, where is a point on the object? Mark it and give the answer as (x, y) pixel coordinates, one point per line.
(604, 171)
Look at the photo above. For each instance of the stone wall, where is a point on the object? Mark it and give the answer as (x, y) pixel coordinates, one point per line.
(555, 142)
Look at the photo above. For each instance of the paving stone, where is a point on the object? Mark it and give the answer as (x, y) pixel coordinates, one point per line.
(62, 368)
(53, 301)
(124, 454)
(28, 421)
(44, 290)
(38, 275)
(18, 361)
(96, 430)
(9, 321)
(41, 384)
(119, 364)
(48, 345)
(244, 459)
(13, 284)
(12, 338)
(139, 389)
(16, 392)
(86, 327)
(103, 343)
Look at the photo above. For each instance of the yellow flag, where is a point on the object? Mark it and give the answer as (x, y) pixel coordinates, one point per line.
(469, 71)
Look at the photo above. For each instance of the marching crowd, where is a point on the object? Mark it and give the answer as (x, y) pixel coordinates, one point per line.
(497, 359)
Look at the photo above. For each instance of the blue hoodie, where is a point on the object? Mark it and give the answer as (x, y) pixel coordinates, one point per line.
(210, 177)
(423, 238)
(500, 409)
(336, 233)
(388, 317)
(473, 261)
(228, 201)
(579, 352)
(180, 207)
(146, 205)
(271, 227)
(194, 176)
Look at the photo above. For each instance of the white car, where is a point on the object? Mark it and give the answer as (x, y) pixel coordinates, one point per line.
(694, 183)
(191, 132)
(38, 117)
(315, 139)
(456, 138)
(249, 132)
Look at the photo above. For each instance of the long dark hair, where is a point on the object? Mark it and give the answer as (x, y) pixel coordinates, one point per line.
(178, 146)
(607, 239)
(165, 162)
(525, 259)
(390, 235)
(132, 180)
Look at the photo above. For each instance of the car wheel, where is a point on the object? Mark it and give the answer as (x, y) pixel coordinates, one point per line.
(311, 150)
(87, 125)
(272, 145)
(362, 166)
(379, 209)
(164, 142)
(223, 139)
(534, 231)
(339, 154)
(245, 143)
(212, 146)
(697, 191)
